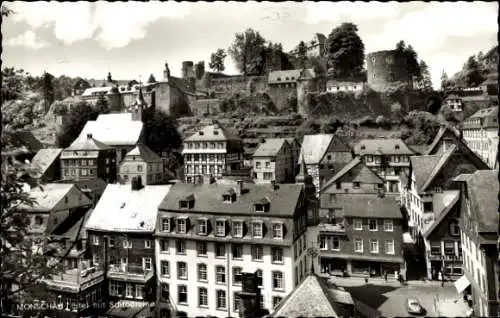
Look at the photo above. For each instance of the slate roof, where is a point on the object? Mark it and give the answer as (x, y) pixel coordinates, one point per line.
(270, 148)
(208, 198)
(442, 215)
(442, 131)
(114, 129)
(214, 132)
(144, 152)
(48, 196)
(370, 177)
(418, 149)
(370, 206)
(44, 158)
(311, 298)
(489, 118)
(125, 210)
(483, 192)
(289, 76)
(314, 147)
(382, 147)
(422, 167)
(87, 144)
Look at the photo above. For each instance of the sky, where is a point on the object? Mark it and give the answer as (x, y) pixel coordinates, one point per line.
(134, 39)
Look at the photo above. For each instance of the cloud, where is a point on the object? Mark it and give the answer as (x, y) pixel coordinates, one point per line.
(114, 25)
(317, 12)
(27, 39)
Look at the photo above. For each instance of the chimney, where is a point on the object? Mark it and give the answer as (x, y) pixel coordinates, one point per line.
(89, 136)
(239, 188)
(249, 296)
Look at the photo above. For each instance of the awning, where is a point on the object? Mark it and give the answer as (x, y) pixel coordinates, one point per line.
(461, 284)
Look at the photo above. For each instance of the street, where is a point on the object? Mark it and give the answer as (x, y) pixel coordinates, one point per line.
(390, 297)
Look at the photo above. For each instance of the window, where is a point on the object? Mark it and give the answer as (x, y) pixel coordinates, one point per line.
(373, 246)
(237, 251)
(115, 288)
(165, 268)
(181, 225)
(358, 245)
(220, 227)
(182, 295)
(268, 164)
(257, 253)
(201, 248)
(355, 185)
(147, 263)
(202, 297)
(322, 243)
(449, 247)
(257, 165)
(182, 270)
(333, 198)
(259, 277)
(236, 302)
(129, 291)
(277, 254)
(268, 175)
(95, 239)
(335, 243)
(388, 225)
(389, 247)
(257, 229)
(139, 168)
(220, 274)
(147, 244)
(358, 225)
(237, 275)
(165, 225)
(180, 247)
(221, 299)
(372, 225)
(127, 244)
(220, 250)
(238, 229)
(202, 272)
(276, 301)
(436, 248)
(454, 228)
(277, 230)
(339, 185)
(278, 280)
(164, 246)
(202, 227)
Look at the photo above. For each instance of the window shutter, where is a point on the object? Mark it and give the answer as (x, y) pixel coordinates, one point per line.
(227, 228)
(284, 229)
(173, 223)
(188, 225)
(209, 226)
(264, 229)
(245, 229)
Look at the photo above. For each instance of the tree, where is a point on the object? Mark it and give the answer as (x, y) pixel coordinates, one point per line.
(246, 51)
(409, 53)
(345, 51)
(444, 81)
(74, 123)
(473, 73)
(302, 54)
(101, 106)
(6, 11)
(151, 79)
(47, 87)
(425, 75)
(161, 131)
(217, 60)
(12, 84)
(24, 262)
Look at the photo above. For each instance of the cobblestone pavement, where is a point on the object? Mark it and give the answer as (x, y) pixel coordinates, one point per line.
(390, 297)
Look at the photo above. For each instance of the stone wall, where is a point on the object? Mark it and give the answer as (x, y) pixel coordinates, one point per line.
(385, 67)
(279, 94)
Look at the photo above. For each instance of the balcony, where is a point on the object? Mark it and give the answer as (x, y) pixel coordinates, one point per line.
(75, 280)
(446, 257)
(133, 273)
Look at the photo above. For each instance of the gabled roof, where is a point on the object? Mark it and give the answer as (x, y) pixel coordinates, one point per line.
(442, 215)
(442, 131)
(311, 298)
(144, 152)
(89, 143)
(370, 177)
(370, 206)
(213, 132)
(208, 198)
(125, 210)
(443, 159)
(114, 129)
(47, 196)
(44, 159)
(270, 148)
(488, 118)
(418, 149)
(314, 147)
(482, 187)
(382, 146)
(289, 76)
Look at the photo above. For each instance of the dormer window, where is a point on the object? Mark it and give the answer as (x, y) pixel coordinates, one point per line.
(277, 231)
(397, 146)
(182, 224)
(216, 132)
(200, 133)
(279, 78)
(229, 196)
(220, 227)
(363, 147)
(237, 228)
(202, 226)
(257, 229)
(262, 206)
(187, 202)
